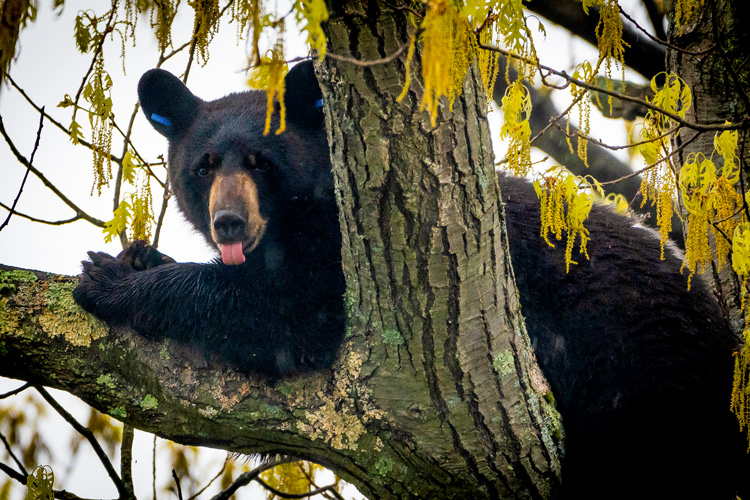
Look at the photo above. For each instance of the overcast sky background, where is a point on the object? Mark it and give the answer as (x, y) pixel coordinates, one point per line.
(47, 67)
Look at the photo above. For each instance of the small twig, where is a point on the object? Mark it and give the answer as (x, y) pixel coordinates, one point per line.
(281, 494)
(13, 455)
(153, 469)
(374, 62)
(177, 482)
(578, 134)
(660, 160)
(162, 214)
(700, 127)
(26, 175)
(86, 433)
(217, 476)
(662, 42)
(312, 481)
(246, 477)
(12, 473)
(79, 213)
(163, 58)
(42, 221)
(15, 391)
(126, 458)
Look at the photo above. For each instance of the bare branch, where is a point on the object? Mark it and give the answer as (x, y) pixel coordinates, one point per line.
(162, 213)
(26, 175)
(59, 125)
(281, 494)
(79, 212)
(177, 482)
(119, 484)
(217, 476)
(246, 477)
(374, 62)
(13, 455)
(15, 391)
(662, 42)
(126, 458)
(659, 161)
(42, 221)
(701, 127)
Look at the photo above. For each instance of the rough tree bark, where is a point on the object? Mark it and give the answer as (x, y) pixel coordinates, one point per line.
(719, 78)
(436, 393)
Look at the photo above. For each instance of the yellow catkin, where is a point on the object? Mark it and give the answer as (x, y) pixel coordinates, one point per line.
(207, 14)
(609, 41)
(488, 62)
(565, 205)
(516, 110)
(437, 56)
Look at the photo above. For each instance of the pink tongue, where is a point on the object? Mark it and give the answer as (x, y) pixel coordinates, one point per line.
(232, 254)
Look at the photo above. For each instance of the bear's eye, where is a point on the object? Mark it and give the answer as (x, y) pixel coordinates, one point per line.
(262, 165)
(257, 162)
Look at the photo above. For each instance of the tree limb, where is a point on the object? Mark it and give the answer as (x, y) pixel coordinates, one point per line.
(644, 56)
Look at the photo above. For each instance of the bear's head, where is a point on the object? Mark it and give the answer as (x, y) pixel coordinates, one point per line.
(237, 186)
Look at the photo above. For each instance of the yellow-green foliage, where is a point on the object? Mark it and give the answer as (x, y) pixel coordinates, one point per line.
(685, 10)
(135, 211)
(586, 73)
(39, 484)
(97, 93)
(710, 197)
(206, 25)
(609, 37)
(565, 206)
(442, 26)
(659, 185)
(312, 13)
(269, 76)
(516, 129)
(293, 478)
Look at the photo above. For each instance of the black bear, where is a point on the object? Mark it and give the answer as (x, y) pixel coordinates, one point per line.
(267, 203)
(640, 367)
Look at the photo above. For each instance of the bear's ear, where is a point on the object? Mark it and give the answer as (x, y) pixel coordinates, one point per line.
(303, 98)
(167, 103)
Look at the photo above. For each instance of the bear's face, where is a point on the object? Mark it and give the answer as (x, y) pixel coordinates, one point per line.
(235, 185)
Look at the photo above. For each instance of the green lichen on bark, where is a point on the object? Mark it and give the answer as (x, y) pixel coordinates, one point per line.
(9, 279)
(346, 410)
(149, 402)
(62, 316)
(106, 380)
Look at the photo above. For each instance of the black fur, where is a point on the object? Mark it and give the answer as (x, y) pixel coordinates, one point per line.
(640, 367)
(282, 310)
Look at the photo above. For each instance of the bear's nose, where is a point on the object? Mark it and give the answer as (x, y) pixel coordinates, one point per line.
(229, 226)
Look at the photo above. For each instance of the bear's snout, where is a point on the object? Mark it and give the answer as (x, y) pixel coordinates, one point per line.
(229, 225)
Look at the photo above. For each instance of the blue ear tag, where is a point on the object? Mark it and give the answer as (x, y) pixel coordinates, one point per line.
(160, 119)
(319, 103)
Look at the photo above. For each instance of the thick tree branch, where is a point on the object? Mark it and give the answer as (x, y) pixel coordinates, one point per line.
(644, 55)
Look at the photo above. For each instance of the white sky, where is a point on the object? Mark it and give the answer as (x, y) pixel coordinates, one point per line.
(48, 67)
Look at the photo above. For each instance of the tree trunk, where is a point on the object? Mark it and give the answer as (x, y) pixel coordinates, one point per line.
(436, 393)
(430, 292)
(719, 79)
